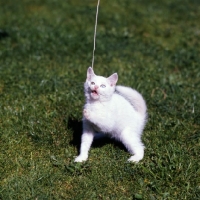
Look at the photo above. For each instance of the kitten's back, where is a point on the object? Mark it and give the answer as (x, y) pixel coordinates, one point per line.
(134, 97)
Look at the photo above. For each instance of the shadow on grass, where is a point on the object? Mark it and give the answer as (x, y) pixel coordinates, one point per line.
(77, 128)
(3, 34)
(99, 141)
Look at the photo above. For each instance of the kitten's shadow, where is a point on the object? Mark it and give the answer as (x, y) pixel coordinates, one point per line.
(3, 34)
(99, 141)
(77, 128)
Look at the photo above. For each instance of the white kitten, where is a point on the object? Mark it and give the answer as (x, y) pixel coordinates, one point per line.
(115, 110)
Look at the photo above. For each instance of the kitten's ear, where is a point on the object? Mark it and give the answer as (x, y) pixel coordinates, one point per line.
(90, 73)
(113, 79)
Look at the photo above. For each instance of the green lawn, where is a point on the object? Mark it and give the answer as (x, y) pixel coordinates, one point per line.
(45, 50)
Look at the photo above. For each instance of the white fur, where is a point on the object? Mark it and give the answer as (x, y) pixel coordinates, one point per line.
(115, 110)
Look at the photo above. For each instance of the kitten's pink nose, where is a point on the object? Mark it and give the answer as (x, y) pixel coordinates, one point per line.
(96, 87)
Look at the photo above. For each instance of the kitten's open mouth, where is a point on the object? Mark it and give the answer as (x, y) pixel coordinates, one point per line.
(94, 92)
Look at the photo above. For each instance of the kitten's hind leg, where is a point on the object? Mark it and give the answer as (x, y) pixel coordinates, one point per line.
(133, 144)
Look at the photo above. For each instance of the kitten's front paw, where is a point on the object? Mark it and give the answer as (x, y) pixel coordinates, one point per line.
(135, 159)
(86, 114)
(80, 158)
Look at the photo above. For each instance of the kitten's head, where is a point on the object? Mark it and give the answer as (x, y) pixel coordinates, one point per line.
(99, 87)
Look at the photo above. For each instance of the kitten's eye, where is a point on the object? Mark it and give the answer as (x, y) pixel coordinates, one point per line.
(103, 86)
(92, 83)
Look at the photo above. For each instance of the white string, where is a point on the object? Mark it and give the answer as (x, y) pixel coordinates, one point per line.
(95, 31)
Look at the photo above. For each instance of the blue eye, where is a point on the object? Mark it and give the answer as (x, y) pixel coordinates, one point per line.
(92, 83)
(103, 86)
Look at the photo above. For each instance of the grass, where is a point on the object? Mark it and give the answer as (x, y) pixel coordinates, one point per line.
(45, 49)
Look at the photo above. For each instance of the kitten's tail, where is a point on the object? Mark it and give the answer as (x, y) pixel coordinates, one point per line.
(134, 97)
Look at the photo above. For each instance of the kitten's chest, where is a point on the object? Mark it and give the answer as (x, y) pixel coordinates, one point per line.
(101, 116)
(99, 110)
(101, 113)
